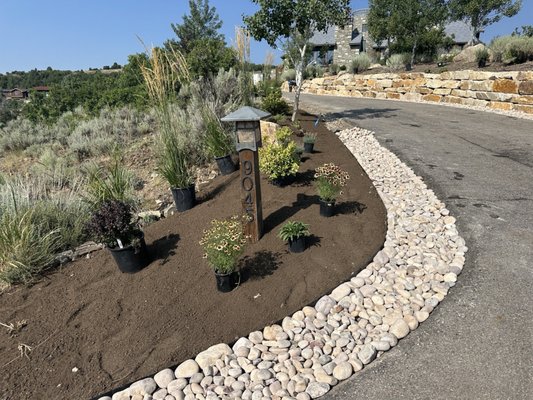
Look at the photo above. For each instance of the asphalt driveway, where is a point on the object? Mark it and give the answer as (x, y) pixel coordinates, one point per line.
(478, 343)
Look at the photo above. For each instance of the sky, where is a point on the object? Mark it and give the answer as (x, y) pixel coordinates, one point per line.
(78, 34)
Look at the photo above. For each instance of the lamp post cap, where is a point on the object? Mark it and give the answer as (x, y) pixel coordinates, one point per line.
(246, 114)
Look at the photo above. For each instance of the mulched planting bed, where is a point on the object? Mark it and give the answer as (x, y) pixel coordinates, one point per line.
(115, 328)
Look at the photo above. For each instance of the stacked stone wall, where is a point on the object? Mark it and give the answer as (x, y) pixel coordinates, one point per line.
(496, 90)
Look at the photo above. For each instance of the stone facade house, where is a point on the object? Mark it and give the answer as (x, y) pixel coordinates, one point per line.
(339, 45)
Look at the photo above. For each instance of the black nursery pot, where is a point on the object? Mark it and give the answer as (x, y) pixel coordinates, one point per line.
(226, 165)
(184, 199)
(297, 245)
(327, 209)
(309, 147)
(282, 181)
(225, 282)
(131, 259)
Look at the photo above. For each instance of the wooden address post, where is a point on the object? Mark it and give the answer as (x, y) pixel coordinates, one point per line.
(248, 140)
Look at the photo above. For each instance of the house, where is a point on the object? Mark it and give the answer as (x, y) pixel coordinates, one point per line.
(16, 94)
(340, 45)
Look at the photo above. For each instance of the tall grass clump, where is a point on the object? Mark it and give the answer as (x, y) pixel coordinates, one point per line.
(165, 71)
(218, 139)
(242, 47)
(38, 219)
(114, 183)
(360, 63)
(26, 247)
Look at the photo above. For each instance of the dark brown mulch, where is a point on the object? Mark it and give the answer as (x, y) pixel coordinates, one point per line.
(118, 328)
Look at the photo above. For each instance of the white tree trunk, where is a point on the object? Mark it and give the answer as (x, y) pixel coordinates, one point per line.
(299, 67)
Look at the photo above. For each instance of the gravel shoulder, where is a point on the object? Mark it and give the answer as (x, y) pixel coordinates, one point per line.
(477, 344)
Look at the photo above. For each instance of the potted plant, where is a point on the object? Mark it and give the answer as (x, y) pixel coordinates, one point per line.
(223, 243)
(113, 224)
(219, 143)
(309, 142)
(330, 180)
(175, 167)
(279, 162)
(295, 234)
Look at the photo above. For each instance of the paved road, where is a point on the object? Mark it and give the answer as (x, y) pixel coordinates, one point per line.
(478, 344)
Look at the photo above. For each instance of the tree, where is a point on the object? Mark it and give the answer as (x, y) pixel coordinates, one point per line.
(408, 25)
(527, 30)
(281, 19)
(482, 13)
(208, 56)
(202, 23)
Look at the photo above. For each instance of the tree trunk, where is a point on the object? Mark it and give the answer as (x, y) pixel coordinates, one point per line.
(299, 67)
(413, 52)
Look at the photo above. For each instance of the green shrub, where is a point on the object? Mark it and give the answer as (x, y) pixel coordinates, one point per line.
(283, 135)
(396, 62)
(498, 47)
(343, 68)
(512, 49)
(360, 63)
(482, 56)
(275, 104)
(288, 75)
(334, 69)
(519, 50)
(313, 71)
(278, 161)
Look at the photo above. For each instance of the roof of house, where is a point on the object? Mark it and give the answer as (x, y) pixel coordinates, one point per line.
(461, 31)
(324, 38)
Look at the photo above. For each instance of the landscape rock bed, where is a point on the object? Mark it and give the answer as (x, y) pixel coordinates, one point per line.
(317, 347)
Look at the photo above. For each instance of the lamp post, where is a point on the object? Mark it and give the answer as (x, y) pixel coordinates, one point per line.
(248, 140)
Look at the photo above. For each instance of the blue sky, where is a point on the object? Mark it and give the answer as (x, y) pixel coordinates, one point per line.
(78, 34)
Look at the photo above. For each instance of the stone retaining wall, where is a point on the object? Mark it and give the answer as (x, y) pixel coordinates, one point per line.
(497, 90)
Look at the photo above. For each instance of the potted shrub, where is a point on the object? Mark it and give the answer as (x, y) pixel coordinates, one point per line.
(223, 243)
(219, 143)
(309, 142)
(279, 162)
(482, 56)
(330, 180)
(113, 224)
(295, 234)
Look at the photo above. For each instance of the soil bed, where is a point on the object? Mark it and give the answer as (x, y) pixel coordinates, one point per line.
(117, 328)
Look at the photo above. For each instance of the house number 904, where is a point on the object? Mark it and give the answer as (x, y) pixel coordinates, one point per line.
(247, 184)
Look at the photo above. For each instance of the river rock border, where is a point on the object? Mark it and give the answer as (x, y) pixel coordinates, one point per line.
(319, 346)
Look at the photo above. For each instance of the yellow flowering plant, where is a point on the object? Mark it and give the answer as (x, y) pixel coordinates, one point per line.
(223, 243)
(330, 179)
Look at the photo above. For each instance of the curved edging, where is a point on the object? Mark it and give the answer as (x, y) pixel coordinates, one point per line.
(319, 346)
